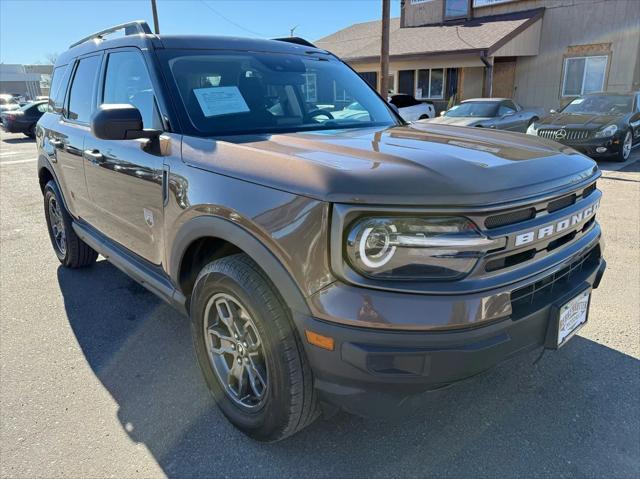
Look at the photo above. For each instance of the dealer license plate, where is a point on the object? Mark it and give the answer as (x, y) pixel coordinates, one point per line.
(573, 315)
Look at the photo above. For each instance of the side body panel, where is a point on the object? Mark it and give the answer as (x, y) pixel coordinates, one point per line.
(292, 228)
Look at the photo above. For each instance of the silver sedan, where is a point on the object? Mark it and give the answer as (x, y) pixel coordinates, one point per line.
(498, 113)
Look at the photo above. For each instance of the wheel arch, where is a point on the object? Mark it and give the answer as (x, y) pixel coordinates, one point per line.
(206, 238)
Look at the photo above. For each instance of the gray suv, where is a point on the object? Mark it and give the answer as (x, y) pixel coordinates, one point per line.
(326, 260)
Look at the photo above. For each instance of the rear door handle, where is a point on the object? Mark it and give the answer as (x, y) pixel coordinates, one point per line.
(94, 156)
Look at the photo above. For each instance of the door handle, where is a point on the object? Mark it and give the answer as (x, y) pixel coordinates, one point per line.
(56, 143)
(94, 156)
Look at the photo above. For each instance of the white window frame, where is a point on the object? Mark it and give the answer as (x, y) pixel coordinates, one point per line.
(335, 93)
(584, 73)
(417, 2)
(429, 97)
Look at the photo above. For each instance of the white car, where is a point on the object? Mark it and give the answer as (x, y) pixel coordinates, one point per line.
(411, 109)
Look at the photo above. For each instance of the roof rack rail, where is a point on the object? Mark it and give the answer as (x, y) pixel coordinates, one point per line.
(296, 40)
(130, 28)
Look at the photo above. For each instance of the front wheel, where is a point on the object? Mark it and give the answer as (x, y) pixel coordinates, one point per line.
(625, 147)
(249, 353)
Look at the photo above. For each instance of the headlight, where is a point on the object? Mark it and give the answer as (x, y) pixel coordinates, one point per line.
(532, 130)
(429, 248)
(608, 131)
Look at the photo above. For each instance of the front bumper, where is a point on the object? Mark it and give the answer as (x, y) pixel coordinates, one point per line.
(597, 147)
(372, 371)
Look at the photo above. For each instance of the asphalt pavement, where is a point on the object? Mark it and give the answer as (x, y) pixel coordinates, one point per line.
(98, 378)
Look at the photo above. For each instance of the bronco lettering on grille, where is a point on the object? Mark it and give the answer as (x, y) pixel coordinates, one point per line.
(556, 227)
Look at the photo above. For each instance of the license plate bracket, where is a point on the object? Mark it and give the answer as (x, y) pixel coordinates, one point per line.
(567, 316)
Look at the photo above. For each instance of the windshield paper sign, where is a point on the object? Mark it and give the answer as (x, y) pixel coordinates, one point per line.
(221, 100)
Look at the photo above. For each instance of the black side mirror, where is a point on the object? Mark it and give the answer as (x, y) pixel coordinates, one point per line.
(119, 122)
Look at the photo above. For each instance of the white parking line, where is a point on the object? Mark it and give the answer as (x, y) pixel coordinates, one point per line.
(9, 153)
(16, 162)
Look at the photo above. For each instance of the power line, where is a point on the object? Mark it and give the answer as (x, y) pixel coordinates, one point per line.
(232, 22)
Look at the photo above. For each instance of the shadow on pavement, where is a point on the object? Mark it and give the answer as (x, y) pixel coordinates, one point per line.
(575, 413)
(26, 139)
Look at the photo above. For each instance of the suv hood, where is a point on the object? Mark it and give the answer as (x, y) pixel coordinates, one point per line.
(426, 165)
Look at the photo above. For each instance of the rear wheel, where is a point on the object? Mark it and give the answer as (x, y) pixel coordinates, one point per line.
(69, 248)
(625, 147)
(249, 353)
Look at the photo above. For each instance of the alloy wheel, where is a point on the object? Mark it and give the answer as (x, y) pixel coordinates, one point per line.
(626, 145)
(57, 225)
(235, 351)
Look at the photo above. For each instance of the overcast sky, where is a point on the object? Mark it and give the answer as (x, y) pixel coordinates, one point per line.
(31, 29)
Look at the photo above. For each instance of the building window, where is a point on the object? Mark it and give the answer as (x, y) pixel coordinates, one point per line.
(430, 83)
(584, 75)
(456, 9)
(309, 89)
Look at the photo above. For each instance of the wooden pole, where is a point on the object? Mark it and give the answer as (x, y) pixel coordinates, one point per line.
(384, 49)
(154, 9)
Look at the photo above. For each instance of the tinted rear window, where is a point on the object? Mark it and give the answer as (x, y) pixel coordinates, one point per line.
(58, 88)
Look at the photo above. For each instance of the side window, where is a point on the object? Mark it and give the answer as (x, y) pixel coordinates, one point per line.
(510, 104)
(127, 81)
(505, 109)
(42, 107)
(58, 88)
(81, 94)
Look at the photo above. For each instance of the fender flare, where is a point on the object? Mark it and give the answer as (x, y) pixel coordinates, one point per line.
(221, 228)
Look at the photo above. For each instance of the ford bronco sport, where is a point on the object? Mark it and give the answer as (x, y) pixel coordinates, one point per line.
(326, 260)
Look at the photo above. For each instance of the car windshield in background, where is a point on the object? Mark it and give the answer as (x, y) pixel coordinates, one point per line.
(227, 93)
(473, 109)
(601, 105)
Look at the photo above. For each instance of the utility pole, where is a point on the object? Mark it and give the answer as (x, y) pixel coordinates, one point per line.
(154, 9)
(293, 30)
(384, 50)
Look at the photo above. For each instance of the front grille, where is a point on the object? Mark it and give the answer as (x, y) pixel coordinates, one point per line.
(547, 290)
(524, 214)
(550, 134)
(510, 218)
(560, 203)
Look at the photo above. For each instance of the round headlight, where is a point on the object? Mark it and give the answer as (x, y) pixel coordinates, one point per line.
(437, 248)
(375, 246)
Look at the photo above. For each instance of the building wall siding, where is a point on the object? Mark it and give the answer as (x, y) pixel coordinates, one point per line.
(566, 25)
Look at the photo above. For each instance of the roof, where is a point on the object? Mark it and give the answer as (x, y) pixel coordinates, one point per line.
(206, 42)
(362, 40)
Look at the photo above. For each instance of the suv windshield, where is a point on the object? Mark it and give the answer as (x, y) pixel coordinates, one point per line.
(601, 104)
(473, 108)
(226, 93)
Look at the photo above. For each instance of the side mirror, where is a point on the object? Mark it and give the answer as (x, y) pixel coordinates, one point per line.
(394, 108)
(442, 112)
(119, 121)
(552, 111)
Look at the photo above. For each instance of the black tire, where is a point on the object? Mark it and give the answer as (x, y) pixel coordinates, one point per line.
(31, 132)
(620, 156)
(290, 402)
(532, 121)
(75, 253)
(424, 117)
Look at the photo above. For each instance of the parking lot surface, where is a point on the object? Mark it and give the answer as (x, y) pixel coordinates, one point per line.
(98, 377)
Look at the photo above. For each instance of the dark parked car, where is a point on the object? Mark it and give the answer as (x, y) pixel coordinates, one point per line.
(24, 119)
(599, 125)
(349, 262)
(499, 113)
